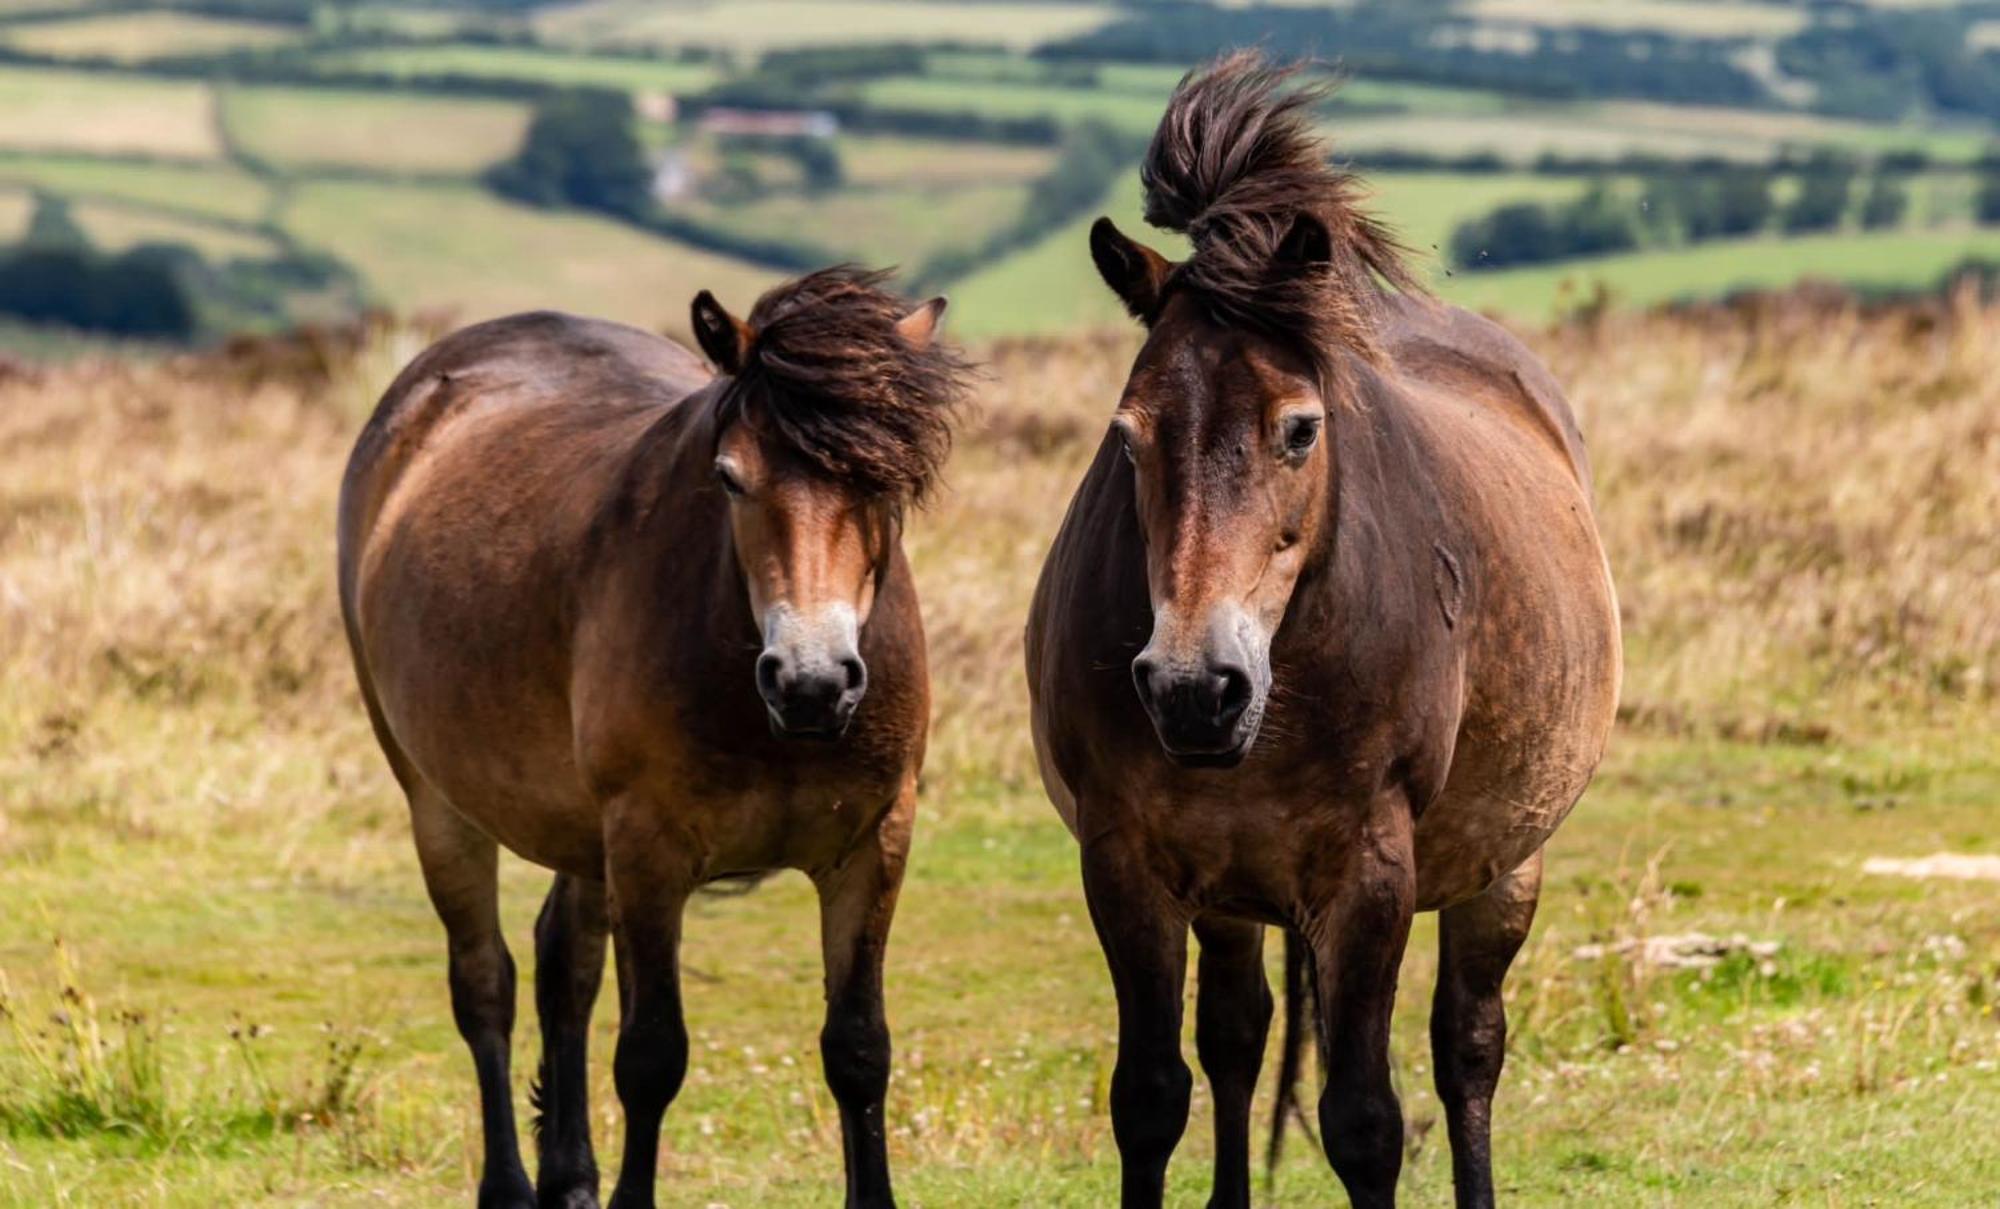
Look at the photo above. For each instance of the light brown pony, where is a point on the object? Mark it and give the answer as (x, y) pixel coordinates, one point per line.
(1340, 542)
(601, 603)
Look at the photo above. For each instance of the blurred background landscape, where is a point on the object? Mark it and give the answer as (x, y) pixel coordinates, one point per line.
(1767, 961)
(177, 171)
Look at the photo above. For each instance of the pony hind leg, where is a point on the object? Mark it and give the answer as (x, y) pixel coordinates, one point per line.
(857, 903)
(1232, 1023)
(461, 871)
(570, 937)
(1477, 941)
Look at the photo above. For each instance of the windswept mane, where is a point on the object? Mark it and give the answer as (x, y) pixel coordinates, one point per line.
(1235, 160)
(828, 372)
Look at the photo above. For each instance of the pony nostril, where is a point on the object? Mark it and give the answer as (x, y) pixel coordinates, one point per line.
(770, 675)
(1143, 669)
(857, 673)
(1232, 694)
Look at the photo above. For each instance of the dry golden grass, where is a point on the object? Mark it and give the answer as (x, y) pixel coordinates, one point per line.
(1800, 503)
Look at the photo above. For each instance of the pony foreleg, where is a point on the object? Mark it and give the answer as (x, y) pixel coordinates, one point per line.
(857, 903)
(1357, 940)
(1232, 1020)
(649, 888)
(1145, 943)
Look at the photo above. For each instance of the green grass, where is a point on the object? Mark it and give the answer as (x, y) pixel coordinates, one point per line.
(221, 190)
(137, 36)
(302, 129)
(462, 249)
(1853, 1064)
(521, 63)
(754, 26)
(1893, 259)
(46, 109)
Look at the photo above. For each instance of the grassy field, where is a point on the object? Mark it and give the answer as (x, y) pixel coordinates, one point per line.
(116, 225)
(1133, 112)
(522, 63)
(885, 226)
(220, 190)
(461, 249)
(223, 984)
(754, 26)
(872, 159)
(383, 132)
(133, 37)
(1701, 18)
(43, 109)
(1891, 259)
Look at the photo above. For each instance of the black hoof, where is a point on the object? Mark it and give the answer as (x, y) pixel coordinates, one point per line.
(512, 1194)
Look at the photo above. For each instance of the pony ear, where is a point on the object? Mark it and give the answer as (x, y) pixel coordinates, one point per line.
(920, 326)
(1307, 245)
(724, 337)
(1135, 272)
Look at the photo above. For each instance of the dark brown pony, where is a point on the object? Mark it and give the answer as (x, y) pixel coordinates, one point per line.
(1326, 639)
(601, 602)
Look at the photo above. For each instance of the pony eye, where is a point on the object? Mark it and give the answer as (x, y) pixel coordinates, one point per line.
(1124, 435)
(1300, 434)
(726, 475)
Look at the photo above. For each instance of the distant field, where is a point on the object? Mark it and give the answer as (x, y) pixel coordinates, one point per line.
(218, 189)
(1706, 18)
(15, 206)
(1051, 285)
(1609, 131)
(137, 36)
(44, 109)
(305, 128)
(1892, 259)
(462, 249)
(115, 226)
(1136, 113)
(522, 63)
(879, 227)
(873, 159)
(754, 26)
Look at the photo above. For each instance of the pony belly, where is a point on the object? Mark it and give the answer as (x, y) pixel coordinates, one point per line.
(511, 774)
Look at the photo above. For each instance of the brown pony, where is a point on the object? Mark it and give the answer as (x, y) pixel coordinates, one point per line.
(602, 603)
(1340, 541)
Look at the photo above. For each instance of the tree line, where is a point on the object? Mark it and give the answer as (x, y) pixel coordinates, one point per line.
(1683, 207)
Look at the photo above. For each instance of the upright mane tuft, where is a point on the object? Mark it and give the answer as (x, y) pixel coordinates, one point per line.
(830, 374)
(1235, 160)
